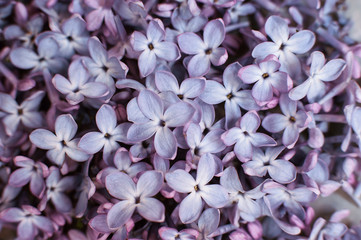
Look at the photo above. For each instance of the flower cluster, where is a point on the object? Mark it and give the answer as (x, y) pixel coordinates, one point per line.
(184, 119)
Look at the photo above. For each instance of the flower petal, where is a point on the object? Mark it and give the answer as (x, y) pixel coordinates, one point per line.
(206, 169)
(147, 62)
(44, 139)
(120, 185)
(106, 119)
(214, 33)
(190, 208)
(198, 65)
(191, 43)
(214, 93)
(92, 142)
(282, 171)
(178, 114)
(301, 42)
(151, 209)
(215, 195)
(277, 29)
(180, 180)
(165, 143)
(119, 214)
(149, 183)
(275, 122)
(167, 51)
(150, 104)
(65, 127)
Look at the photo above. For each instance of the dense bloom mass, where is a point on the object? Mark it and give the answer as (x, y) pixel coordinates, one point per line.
(179, 120)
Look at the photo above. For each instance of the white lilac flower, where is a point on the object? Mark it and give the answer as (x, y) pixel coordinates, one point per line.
(61, 143)
(199, 190)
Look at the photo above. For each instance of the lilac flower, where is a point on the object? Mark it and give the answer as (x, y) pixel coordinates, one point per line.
(208, 223)
(291, 199)
(291, 121)
(30, 221)
(46, 58)
(152, 119)
(152, 47)
(110, 133)
(71, 37)
(280, 170)
(190, 88)
(30, 171)
(283, 46)
(56, 188)
(123, 163)
(314, 87)
(26, 113)
(206, 51)
(246, 205)
(327, 230)
(199, 189)
(102, 12)
(134, 197)
(238, 10)
(103, 68)
(246, 138)
(78, 86)
(230, 93)
(167, 233)
(61, 142)
(85, 191)
(266, 76)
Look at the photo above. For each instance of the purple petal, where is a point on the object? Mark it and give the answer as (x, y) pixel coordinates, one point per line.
(106, 119)
(192, 87)
(231, 136)
(206, 169)
(250, 121)
(62, 84)
(214, 33)
(191, 43)
(147, 62)
(275, 122)
(149, 183)
(20, 177)
(43, 223)
(120, 185)
(165, 143)
(150, 104)
(215, 195)
(282, 171)
(262, 91)
(190, 208)
(261, 140)
(219, 56)
(97, 51)
(230, 180)
(139, 41)
(277, 28)
(141, 132)
(290, 135)
(120, 213)
(331, 70)
(44, 139)
(178, 114)
(250, 74)
(181, 181)
(24, 58)
(94, 90)
(255, 168)
(166, 81)
(167, 51)
(198, 65)
(26, 230)
(12, 215)
(301, 42)
(154, 32)
(65, 127)
(92, 142)
(264, 49)
(151, 209)
(209, 221)
(214, 93)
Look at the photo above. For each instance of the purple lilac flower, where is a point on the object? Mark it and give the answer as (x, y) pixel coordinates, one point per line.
(102, 12)
(266, 77)
(199, 190)
(152, 47)
(30, 221)
(204, 51)
(283, 46)
(110, 133)
(246, 138)
(29, 171)
(26, 113)
(167, 233)
(152, 119)
(314, 87)
(134, 197)
(280, 170)
(61, 143)
(291, 121)
(78, 86)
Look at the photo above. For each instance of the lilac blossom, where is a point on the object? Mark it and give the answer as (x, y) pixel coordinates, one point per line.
(46, 58)
(230, 93)
(246, 205)
(56, 188)
(78, 86)
(61, 143)
(152, 119)
(208, 223)
(26, 113)
(110, 133)
(152, 46)
(283, 46)
(280, 170)
(30, 221)
(314, 87)
(291, 121)
(167, 233)
(199, 190)
(246, 138)
(266, 77)
(134, 197)
(102, 12)
(29, 171)
(205, 51)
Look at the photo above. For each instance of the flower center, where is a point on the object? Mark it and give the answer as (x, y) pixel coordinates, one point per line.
(151, 46)
(162, 123)
(229, 96)
(107, 135)
(137, 200)
(208, 51)
(196, 188)
(20, 111)
(292, 119)
(265, 75)
(180, 96)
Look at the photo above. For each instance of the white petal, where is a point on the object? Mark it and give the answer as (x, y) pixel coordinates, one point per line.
(277, 28)
(165, 143)
(120, 213)
(151, 209)
(106, 119)
(191, 43)
(214, 93)
(120, 185)
(206, 169)
(44, 139)
(65, 127)
(150, 104)
(215, 195)
(181, 181)
(190, 208)
(92, 142)
(149, 183)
